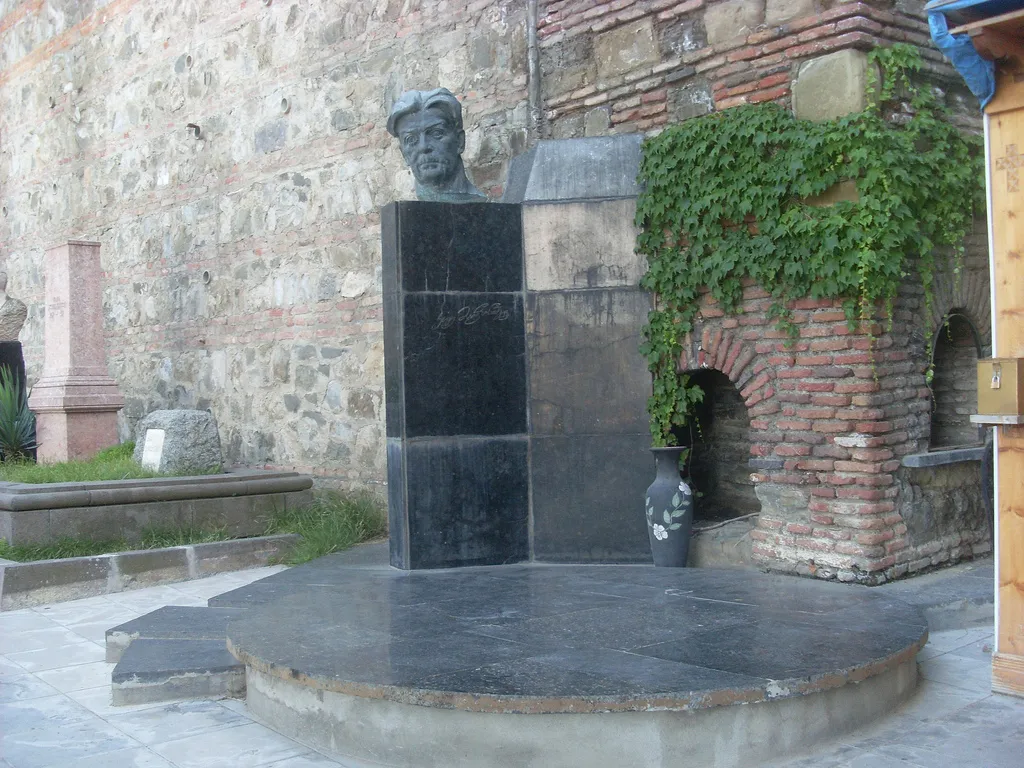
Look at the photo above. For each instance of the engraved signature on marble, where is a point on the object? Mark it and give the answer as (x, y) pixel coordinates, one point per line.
(470, 316)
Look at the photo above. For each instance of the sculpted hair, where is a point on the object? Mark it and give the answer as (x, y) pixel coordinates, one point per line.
(440, 99)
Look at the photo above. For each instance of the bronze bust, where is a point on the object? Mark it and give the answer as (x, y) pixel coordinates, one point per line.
(428, 126)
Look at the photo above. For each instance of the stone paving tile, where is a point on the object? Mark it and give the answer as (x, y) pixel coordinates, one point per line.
(244, 746)
(52, 657)
(23, 687)
(98, 701)
(137, 757)
(77, 611)
(9, 669)
(177, 720)
(24, 621)
(96, 631)
(78, 677)
(19, 641)
(969, 674)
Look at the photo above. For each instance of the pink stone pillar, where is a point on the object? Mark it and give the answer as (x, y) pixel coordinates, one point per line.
(75, 401)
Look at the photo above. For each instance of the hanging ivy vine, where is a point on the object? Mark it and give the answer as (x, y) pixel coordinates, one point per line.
(724, 200)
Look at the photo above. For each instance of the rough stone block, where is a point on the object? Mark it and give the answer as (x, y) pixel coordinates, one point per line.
(178, 442)
(691, 100)
(146, 568)
(25, 526)
(597, 121)
(831, 86)
(220, 556)
(733, 18)
(625, 48)
(51, 581)
(778, 11)
(581, 245)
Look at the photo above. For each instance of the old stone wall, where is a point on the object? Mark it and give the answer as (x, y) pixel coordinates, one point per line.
(242, 264)
(623, 66)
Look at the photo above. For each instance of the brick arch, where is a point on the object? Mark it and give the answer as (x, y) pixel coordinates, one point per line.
(969, 294)
(724, 350)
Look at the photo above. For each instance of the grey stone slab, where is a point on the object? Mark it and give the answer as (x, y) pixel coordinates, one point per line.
(172, 622)
(586, 375)
(588, 497)
(137, 757)
(51, 744)
(77, 677)
(154, 660)
(163, 670)
(576, 169)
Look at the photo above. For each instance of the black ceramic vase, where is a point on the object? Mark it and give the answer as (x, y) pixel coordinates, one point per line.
(669, 506)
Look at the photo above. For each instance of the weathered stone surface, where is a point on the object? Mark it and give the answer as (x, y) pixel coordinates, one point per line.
(733, 18)
(190, 442)
(690, 100)
(625, 48)
(831, 86)
(778, 11)
(581, 245)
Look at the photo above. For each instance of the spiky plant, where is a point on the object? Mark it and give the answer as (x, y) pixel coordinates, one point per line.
(17, 422)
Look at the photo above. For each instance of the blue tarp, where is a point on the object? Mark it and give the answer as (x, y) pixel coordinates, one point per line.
(978, 73)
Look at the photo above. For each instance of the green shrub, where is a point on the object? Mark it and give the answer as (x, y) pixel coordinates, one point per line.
(333, 522)
(17, 422)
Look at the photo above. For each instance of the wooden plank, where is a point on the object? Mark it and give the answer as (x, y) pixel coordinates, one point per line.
(1012, 22)
(1008, 674)
(1006, 178)
(1009, 96)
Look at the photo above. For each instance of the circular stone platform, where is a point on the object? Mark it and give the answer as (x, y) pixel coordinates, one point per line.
(545, 665)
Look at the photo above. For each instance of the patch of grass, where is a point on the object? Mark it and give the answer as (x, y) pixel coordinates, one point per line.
(152, 538)
(113, 463)
(332, 523)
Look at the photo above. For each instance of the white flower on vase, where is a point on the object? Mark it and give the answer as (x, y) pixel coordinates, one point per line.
(684, 487)
(660, 532)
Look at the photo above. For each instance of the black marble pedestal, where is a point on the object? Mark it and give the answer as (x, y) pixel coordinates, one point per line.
(455, 381)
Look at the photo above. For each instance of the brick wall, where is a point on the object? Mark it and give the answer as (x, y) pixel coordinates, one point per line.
(623, 66)
(831, 416)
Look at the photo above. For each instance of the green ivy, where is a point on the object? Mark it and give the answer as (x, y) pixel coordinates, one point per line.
(725, 200)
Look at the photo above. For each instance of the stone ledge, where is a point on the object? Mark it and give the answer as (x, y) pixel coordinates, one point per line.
(942, 457)
(48, 581)
(27, 496)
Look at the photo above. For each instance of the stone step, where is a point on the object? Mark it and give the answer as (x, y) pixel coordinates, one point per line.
(163, 670)
(172, 622)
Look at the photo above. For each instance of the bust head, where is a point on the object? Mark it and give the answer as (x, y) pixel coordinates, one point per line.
(428, 126)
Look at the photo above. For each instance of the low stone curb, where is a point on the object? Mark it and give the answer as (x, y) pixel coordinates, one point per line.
(24, 585)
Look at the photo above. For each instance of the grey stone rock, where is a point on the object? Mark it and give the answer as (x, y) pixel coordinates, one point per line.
(272, 136)
(172, 622)
(576, 169)
(190, 441)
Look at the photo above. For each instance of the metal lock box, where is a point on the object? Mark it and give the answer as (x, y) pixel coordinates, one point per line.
(1001, 386)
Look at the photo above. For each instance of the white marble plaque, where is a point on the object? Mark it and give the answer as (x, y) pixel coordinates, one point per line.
(153, 449)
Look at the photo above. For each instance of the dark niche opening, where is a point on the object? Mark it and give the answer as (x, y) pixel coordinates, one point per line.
(719, 450)
(955, 354)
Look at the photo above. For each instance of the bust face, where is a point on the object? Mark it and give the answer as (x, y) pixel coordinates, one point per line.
(431, 147)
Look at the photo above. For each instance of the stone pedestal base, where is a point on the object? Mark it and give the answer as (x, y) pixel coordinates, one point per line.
(71, 436)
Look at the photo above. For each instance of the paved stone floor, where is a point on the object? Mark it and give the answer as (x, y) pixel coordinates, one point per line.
(55, 702)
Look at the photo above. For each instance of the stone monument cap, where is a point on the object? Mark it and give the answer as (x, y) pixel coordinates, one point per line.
(595, 168)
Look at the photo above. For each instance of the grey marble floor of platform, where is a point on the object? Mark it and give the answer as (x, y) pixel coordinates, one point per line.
(55, 707)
